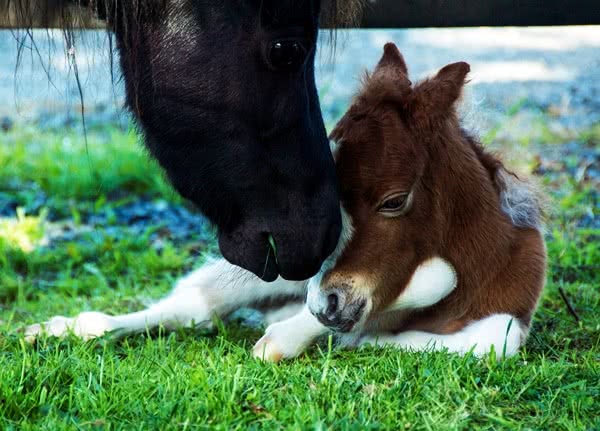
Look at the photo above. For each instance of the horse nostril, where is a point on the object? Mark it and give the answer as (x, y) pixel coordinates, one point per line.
(332, 304)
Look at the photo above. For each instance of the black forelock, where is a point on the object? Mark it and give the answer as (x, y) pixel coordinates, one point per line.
(70, 14)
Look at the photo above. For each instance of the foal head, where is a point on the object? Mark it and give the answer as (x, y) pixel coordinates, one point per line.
(404, 166)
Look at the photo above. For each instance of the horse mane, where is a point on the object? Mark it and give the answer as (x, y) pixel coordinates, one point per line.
(67, 15)
(337, 14)
(72, 14)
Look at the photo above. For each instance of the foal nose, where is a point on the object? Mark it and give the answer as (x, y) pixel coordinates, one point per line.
(330, 310)
(336, 309)
(332, 305)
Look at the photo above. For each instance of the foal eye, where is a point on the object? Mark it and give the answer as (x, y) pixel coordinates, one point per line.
(286, 55)
(394, 205)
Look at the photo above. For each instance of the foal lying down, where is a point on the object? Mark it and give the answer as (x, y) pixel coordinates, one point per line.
(441, 246)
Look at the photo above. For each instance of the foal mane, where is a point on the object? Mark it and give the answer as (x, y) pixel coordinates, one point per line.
(520, 199)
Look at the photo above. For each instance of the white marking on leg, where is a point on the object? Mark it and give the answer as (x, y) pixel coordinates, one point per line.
(289, 338)
(283, 313)
(431, 282)
(86, 325)
(226, 287)
(503, 332)
(181, 308)
(214, 289)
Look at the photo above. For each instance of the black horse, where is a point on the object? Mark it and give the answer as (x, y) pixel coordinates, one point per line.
(224, 93)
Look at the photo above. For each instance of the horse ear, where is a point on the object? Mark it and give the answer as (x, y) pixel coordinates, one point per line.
(439, 94)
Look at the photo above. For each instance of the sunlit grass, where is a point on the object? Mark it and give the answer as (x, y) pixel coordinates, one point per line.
(64, 166)
(22, 231)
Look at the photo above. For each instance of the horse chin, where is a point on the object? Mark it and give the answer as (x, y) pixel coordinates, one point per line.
(252, 250)
(255, 255)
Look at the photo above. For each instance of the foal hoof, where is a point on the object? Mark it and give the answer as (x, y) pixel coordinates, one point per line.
(86, 326)
(266, 350)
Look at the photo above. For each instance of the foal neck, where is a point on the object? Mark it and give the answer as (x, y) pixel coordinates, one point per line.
(477, 233)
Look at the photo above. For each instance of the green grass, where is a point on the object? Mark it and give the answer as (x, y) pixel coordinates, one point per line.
(196, 380)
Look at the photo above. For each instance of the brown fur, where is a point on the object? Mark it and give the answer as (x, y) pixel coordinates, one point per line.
(397, 137)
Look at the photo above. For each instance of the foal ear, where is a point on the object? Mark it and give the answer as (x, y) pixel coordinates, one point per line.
(439, 94)
(389, 80)
(392, 59)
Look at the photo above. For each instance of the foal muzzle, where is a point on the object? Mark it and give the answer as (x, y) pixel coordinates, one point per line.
(336, 308)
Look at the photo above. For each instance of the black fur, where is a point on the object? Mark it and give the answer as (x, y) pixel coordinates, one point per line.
(245, 143)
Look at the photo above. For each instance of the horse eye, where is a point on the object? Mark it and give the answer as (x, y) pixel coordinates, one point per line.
(286, 55)
(394, 205)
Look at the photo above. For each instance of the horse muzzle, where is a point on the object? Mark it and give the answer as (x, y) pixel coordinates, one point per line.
(295, 255)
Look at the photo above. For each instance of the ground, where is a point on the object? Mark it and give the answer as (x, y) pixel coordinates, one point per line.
(95, 227)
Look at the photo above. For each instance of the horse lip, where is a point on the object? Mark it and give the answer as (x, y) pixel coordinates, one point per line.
(263, 266)
(298, 274)
(348, 324)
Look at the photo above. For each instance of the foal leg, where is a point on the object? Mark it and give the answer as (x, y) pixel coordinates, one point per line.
(432, 281)
(290, 337)
(278, 314)
(216, 289)
(502, 331)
